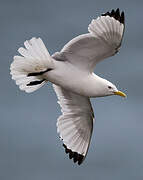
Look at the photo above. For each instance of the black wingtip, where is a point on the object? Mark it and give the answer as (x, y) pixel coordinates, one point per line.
(38, 73)
(116, 14)
(33, 83)
(122, 18)
(76, 156)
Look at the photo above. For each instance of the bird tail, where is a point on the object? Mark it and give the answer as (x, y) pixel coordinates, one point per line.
(28, 69)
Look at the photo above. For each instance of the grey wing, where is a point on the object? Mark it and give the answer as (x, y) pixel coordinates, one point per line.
(103, 40)
(75, 124)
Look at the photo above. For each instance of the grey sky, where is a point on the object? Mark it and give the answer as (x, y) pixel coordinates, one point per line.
(29, 145)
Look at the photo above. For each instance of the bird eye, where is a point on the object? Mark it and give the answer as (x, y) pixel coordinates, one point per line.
(109, 87)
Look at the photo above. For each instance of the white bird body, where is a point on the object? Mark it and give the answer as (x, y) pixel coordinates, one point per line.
(76, 80)
(72, 73)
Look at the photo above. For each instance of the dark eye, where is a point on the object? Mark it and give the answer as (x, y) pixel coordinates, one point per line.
(109, 87)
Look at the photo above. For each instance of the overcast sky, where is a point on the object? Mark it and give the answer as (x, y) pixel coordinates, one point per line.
(30, 148)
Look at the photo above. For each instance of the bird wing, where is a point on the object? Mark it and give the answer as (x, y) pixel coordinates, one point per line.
(75, 124)
(103, 40)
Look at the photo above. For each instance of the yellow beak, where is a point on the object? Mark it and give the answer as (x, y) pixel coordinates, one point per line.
(120, 93)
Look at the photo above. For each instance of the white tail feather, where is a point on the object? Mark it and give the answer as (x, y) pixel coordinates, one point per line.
(34, 58)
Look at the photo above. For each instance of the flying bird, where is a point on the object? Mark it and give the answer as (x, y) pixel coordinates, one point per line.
(72, 73)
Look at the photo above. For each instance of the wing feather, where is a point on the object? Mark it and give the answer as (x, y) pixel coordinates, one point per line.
(75, 124)
(103, 40)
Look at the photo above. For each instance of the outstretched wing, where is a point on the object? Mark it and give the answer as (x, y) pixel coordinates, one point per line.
(75, 124)
(103, 40)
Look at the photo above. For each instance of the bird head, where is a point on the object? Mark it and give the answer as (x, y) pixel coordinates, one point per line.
(111, 89)
(104, 87)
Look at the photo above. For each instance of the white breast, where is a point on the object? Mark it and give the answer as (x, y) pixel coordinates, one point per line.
(69, 77)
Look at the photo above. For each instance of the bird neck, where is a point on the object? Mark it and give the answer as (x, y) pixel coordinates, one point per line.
(99, 86)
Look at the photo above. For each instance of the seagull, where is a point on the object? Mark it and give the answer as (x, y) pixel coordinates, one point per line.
(71, 71)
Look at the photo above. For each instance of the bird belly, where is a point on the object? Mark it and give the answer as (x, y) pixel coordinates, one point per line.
(70, 78)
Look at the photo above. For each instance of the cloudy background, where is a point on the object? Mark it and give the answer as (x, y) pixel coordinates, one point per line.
(29, 145)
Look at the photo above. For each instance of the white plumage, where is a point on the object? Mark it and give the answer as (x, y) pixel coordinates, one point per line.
(71, 72)
(76, 123)
(35, 58)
